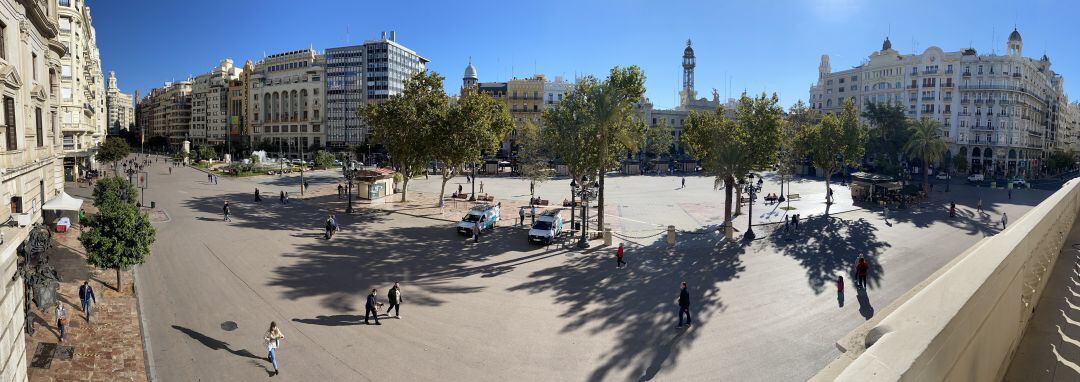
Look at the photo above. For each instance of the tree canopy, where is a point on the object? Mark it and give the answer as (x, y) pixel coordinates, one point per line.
(119, 235)
(927, 145)
(113, 150)
(835, 142)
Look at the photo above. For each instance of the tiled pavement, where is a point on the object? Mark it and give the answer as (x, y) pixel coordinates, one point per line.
(108, 349)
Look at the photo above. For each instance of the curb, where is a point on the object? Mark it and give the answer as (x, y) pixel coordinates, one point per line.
(148, 359)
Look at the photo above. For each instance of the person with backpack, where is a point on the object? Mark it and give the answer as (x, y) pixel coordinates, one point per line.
(273, 339)
(330, 227)
(861, 269)
(61, 319)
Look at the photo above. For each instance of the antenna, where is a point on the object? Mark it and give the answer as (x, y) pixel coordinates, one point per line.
(993, 38)
(346, 34)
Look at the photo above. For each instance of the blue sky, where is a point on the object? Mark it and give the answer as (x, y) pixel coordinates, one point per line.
(772, 46)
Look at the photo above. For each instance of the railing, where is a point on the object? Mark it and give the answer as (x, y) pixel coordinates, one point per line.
(966, 323)
(928, 98)
(1017, 75)
(966, 74)
(947, 85)
(965, 100)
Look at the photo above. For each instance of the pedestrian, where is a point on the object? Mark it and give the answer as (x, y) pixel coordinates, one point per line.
(886, 214)
(861, 269)
(619, 257)
(684, 304)
(481, 187)
(459, 189)
(521, 216)
(170, 173)
(476, 232)
(225, 210)
(787, 220)
(1010, 194)
(684, 182)
(952, 209)
(795, 219)
(340, 191)
(61, 319)
(840, 290)
(209, 178)
(258, 198)
(1004, 220)
(395, 299)
(978, 206)
(87, 298)
(533, 216)
(273, 339)
(371, 309)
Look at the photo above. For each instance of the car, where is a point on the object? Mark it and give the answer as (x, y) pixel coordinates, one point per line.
(1019, 183)
(548, 226)
(942, 176)
(486, 214)
(337, 163)
(976, 178)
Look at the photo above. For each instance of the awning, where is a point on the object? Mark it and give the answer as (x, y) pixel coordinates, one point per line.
(63, 202)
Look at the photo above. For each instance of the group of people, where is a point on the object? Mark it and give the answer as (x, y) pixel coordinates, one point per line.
(211, 178)
(87, 300)
(331, 227)
(791, 221)
(772, 198)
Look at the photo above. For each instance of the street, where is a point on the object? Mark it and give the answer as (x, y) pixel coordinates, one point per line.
(506, 310)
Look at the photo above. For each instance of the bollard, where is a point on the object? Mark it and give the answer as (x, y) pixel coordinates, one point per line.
(671, 235)
(153, 204)
(607, 234)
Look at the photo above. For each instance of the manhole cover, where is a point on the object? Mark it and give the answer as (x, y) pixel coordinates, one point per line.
(64, 352)
(43, 356)
(228, 326)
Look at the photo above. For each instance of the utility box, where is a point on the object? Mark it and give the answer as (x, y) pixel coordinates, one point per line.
(671, 235)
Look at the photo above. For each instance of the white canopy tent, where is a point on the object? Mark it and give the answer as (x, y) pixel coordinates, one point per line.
(63, 202)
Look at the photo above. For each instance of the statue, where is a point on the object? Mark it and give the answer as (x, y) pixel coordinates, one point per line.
(41, 282)
(715, 95)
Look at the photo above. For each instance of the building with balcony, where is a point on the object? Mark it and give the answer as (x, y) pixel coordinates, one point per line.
(31, 158)
(165, 113)
(358, 74)
(1003, 113)
(287, 103)
(210, 105)
(121, 109)
(82, 88)
(239, 97)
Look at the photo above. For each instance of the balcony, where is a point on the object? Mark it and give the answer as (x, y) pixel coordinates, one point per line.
(965, 100)
(966, 74)
(1016, 75)
(978, 101)
(913, 86)
(947, 99)
(947, 85)
(948, 71)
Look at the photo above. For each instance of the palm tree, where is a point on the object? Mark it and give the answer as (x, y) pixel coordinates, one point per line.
(926, 144)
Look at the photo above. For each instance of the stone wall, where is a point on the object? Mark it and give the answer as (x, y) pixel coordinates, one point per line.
(12, 315)
(967, 323)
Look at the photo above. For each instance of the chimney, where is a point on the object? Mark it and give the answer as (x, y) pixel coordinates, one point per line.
(392, 35)
(382, 36)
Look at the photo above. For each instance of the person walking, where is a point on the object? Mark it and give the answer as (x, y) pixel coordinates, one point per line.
(684, 304)
(787, 221)
(476, 232)
(395, 299)
(225, 210)
(170, 173)
(371, 309)
(258, 198)
(87, 298)
(619, 263)
(1010, 194)
(952, 209)
(459, 189)
(978, 206)
(61, 319)
(273, 339)
(795, 221)
(861, 269)
(481, 187)
(886, 214)
(282, 197)
(1004, 220)
(340, 191)
(684, 182)
(521, 216)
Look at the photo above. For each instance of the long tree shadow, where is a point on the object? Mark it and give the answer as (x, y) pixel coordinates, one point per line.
(638, 302)
(214, 344)
(828, 246)
(269, 214)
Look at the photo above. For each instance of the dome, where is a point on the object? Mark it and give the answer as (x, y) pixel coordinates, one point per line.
(1015, 36)
(470, 71)
(886, 45)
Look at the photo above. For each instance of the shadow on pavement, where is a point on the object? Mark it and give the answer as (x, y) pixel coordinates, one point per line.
(335, 320)
(214, 344)
(828, 246)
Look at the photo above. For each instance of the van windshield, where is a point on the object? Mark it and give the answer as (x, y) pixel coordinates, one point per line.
(471, 218)
(542, 225)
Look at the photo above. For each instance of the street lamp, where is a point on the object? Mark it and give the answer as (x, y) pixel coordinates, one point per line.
(587, 192)
(750, 206)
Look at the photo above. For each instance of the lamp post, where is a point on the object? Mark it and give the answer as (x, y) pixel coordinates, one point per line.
(573, 201)
(302, 164)
(588, 192)
(752, 192)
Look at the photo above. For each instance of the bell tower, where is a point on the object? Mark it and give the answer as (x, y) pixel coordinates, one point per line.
(688, 63)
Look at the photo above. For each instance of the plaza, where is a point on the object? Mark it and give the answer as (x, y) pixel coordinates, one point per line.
(502, 309)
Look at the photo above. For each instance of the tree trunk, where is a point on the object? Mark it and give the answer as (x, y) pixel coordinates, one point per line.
(926, 177)
(118, 279)
(729, 231)
(404, 187)
(473, 197)
(446, 176)
(600, 204)
(738, 197)
(828, 176)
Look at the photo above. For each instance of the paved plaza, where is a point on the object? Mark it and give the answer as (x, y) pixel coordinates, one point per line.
(502, 309)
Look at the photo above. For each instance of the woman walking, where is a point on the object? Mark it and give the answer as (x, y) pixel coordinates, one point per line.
(61, 319)
(395, 301)
(273, 339)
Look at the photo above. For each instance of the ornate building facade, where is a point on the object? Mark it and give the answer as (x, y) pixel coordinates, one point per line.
(287, 103)
(82, 87)
(121, 109)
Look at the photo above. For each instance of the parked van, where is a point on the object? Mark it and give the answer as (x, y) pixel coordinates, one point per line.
(486, 214)
(548, 226)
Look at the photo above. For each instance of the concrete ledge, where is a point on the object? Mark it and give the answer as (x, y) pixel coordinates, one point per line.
(966, 322)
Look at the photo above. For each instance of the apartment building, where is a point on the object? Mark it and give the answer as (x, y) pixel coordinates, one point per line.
(119, 106)
(287, 103)
(210, 105)
(31, 55)
(82, 87)
(1003, 113)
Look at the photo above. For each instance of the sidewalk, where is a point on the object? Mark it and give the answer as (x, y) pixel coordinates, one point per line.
(108, 349)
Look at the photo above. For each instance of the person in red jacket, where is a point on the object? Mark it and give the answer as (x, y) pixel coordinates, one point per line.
(861, 269)
(619, 257)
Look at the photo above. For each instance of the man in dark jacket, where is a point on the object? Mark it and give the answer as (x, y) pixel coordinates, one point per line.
(684, 305)
(371, 309)
(225, 210)
(86, 296)
(395, 301)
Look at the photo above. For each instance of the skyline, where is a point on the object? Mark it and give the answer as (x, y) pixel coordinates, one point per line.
(779, 60)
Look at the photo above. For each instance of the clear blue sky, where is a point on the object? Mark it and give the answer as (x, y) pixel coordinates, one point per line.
(758, 46)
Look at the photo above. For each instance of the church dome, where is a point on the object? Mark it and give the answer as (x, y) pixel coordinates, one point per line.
(1015, 36)
(470, 71)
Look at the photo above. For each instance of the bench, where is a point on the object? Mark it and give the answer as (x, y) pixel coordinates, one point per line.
(793, 196)
(485, 198)
(459, 196)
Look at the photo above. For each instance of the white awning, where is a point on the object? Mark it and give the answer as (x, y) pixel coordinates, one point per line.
(63, 202)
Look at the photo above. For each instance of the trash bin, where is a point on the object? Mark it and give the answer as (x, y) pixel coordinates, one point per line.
(153, 204)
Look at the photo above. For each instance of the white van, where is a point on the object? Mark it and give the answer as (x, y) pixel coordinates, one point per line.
(486, 214)
(548, 226)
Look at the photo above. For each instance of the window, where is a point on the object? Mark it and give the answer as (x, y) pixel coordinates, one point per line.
(65, 24)
(65, 94)
(33, 66)
(65, 3)
(3, 41)
(9, 123)
(40, 128)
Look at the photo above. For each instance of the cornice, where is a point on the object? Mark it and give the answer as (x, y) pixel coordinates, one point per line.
(42, 22)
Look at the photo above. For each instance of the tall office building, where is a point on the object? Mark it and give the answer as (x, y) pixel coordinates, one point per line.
(121, 109)
(358, 74)
(82, 87)
(287, 103)
(1003, 113)
(210, 104)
